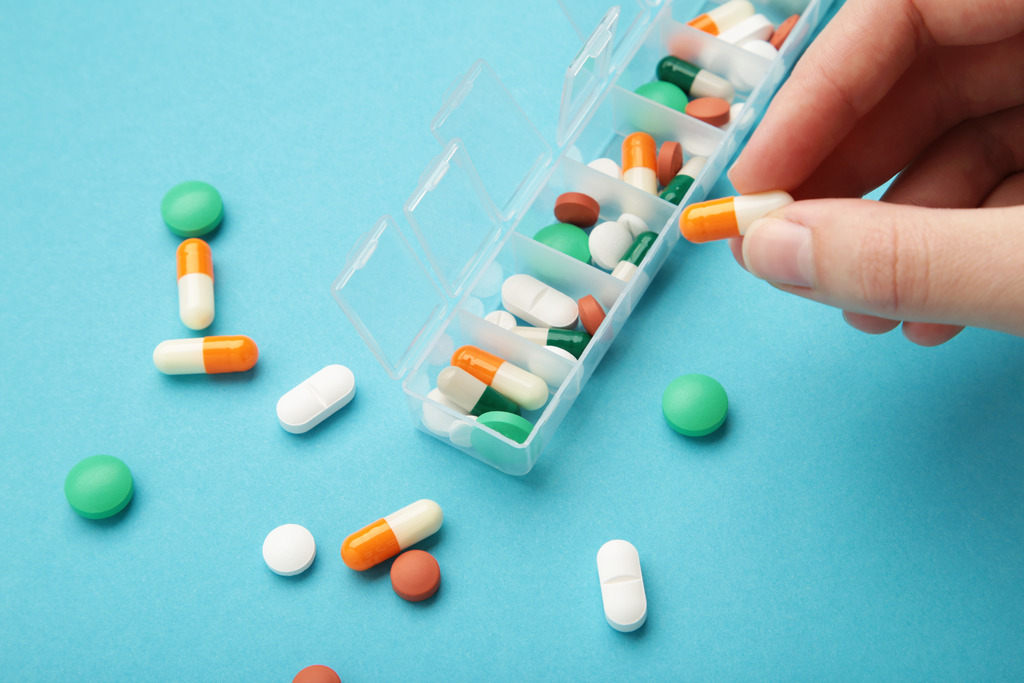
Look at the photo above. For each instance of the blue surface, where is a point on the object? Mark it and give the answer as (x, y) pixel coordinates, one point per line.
(859, 517)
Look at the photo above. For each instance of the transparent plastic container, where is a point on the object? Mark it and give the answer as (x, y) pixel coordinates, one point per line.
(470, 222)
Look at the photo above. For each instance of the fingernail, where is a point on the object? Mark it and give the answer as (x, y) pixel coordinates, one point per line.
(779, 251)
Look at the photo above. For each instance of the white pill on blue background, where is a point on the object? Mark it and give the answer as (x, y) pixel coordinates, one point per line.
(316, 399)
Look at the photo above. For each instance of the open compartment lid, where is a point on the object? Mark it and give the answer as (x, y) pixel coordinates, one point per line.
(395, 316)
(507, 151)
(586, 75)
(585, 15)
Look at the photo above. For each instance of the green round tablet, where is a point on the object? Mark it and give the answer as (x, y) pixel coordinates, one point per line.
(99, 486)
(515, 427)
(695, 405)
(664, 93)
(192, 208)
(566, 238)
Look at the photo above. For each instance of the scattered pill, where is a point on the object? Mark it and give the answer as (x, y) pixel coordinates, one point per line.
(640, 162)
(577, 209)
(622, 586)
(470, 394)
(755, 27)
(680, 185)
(316, 399)
(99, 486)
(723, 17)
(591, 314)
(695, 404)
(568, 239)
(607, 166)
(562, 353)
(391, 535)
(783, 31)
(670, 160)
(317, 674)
(211, 355)
(195, 283)
(415, 575)
(502, 319)
(525, 388)
(720, 219)
(631, 260)
(665, 93)
(572, 342)
(289, 549)
(515, 427)
(192, 208)
(531, 300)
(693, 80)
(608, 242)
(633, 223)
(712, 110)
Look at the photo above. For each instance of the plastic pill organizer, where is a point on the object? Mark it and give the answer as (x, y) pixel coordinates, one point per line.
(469, 224)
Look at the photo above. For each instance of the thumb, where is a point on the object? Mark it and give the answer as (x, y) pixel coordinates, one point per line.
(956, 266)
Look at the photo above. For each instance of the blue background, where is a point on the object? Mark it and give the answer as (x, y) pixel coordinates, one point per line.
(860, 516)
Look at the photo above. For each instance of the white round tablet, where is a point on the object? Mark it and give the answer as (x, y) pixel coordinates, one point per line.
(606, 166)
(502, 319)
(634, 224)
(289, 549)
(608, 242)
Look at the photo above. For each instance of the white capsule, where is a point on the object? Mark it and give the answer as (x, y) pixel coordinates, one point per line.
(606, 166)
(622, 586)
(289, 550)
(756, 27)
(521, 386)
(537, 303)
(316, 399)
(708, 84)
(625, 271)
(642, 178)
(502, 319)
(749, 207)
(608, 242)
(633, 223)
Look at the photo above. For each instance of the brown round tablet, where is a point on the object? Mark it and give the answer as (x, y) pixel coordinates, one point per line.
(591, 314)
(670, 160)
(577, 208)
(415, 575)
(713, 110)
(318, 673)
(783, 31)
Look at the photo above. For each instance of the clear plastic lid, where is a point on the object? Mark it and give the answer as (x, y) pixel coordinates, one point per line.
(585, 15)
(586, 75)
(507, 151)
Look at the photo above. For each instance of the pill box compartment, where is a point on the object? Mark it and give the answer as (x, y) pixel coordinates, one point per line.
(470, 222)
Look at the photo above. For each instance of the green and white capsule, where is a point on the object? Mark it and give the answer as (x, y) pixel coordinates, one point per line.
(693, 80)
(472, 395)
(630, 263)
(573, 341)
(680, 185)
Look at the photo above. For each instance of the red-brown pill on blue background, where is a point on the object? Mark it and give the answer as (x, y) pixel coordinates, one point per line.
(670, 160)
(318, 673)
(415, 575)
(577, 209)
(591, 314)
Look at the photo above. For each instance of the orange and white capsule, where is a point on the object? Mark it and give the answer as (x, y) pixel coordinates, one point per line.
(721, 219)
(511, 381)
(195, 284)
(640, 162)
(391, 535)
(723, 17)
(210, 355)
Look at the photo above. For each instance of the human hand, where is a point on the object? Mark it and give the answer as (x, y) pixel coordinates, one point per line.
(933, 87)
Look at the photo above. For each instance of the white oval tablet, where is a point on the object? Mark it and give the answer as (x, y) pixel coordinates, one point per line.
(622, 585)
(316, 399)
(606, 166)
(289, 550)
(756, 27)
(608, 242)
(502, 319)
(559, 351)
(538, 304)
(634, 224)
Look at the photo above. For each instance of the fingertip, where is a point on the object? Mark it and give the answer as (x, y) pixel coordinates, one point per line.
(930, 334)
(869, 324)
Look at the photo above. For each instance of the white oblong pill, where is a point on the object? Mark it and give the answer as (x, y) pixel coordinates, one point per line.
(316, 399)
(608, 242)
(558, 351)
(606, 166)
(538, 304)
(622, 585)
(633, 223)
(289, 549)
(756, 27)
(502, 319)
